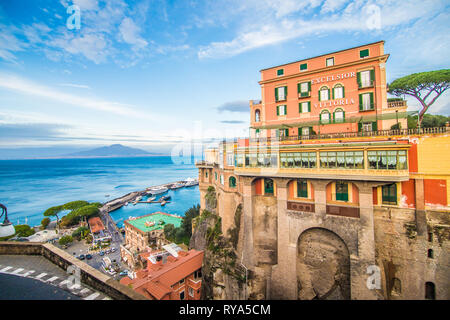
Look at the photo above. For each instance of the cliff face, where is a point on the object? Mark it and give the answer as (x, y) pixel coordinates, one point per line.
(223, 275)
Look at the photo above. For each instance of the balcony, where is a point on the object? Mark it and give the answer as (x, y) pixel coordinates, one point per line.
(204, 164)
(304, 94)
(397, 104)
(342, 135)
(366, 84)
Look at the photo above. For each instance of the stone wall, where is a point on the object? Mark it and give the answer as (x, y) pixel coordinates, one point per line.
(62, 259)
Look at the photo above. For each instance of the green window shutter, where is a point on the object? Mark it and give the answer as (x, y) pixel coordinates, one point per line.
(358, 79)
(285, 92)
(364, 53)
(309, 106)
(309, 86)
(276, 94)
(278, 110)
(372, 74)
(286, 132)
(374, 126)
(332, 93)
(280, 72)
(298, 88)
(360, 102)
(328, 94)
(300, 132)
(359, 126)
(343, 92)
(334, 118)
(299, 107)
(310, 130)
(319, 96)
(343, 116)
(371, 101)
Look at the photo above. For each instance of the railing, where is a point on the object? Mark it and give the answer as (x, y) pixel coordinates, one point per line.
(365, 84)
(397, 104)
(338, 135)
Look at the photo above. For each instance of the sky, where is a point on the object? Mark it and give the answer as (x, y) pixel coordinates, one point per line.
(153, 73)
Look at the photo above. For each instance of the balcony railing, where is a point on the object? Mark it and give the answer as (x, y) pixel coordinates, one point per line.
(366, 84)
(397, 104)
(338, 135)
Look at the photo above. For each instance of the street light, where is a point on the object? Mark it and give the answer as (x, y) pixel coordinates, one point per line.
(6, 228)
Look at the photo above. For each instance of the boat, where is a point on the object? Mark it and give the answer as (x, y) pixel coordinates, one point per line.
(157, 190)
(177, 185)
(151, 199)
(163, 203)
(189, 182)
(126, 203)
(164, 198)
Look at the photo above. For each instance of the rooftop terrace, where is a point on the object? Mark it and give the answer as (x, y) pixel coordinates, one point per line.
(152, 221)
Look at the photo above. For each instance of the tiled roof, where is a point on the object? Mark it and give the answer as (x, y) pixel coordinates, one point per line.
(96, 224)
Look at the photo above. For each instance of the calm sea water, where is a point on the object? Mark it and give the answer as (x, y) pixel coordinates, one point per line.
(29, 187)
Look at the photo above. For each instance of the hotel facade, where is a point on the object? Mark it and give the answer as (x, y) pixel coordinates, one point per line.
(340, 200)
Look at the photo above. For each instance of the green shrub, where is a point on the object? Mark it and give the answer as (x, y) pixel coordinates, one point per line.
(23, 230)
(65, 240)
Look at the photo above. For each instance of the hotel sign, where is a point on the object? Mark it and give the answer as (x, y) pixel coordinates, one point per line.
(334, 103)
(335, 77)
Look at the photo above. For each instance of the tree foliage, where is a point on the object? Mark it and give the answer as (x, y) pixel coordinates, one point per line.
(426, 87)
(428, 121)
(45, 222)
(23, 230)
(65, 240)
(78, 210)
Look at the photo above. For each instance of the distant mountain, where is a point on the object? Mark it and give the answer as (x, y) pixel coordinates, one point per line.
(115, 150)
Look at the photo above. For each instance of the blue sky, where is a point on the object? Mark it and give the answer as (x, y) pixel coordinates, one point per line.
(153, 73)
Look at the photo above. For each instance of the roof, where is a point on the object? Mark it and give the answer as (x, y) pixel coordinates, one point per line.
(141, 222)
(96, 224)
(158, 278)
(325, 54)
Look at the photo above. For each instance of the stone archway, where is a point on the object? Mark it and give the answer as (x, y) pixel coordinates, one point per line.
(323, 266)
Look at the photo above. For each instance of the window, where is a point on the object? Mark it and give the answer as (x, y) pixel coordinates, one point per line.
(330, 62)
(389, 194)
(182, 295)
(364, 53)
(365, 127)
(303, 66)
(298, 159)
(280, 93)
(387, 160)
(230, 158)
(366, 101)
(268, 186)
(338, 91)
(324, 94)
(239, 160)
(206, 174)
(221, 179)
(281, 110)
(430, 253)
(191, 292)
(430, 237)
(365, 78)
(341, 191)
(304, 89)
(232, 182)
(306, 131)
(304, 107)
(302, 189)
(283, 133)
(198, 274)
(342, 159)
(325, 117)
(280, 72)
(257, 116)
(261, 160)
(181, 281)
(339, 116)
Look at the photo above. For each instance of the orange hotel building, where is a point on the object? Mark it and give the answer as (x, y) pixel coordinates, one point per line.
(332, 184)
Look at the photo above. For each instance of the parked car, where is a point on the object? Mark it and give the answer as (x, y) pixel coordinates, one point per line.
(113, 249)
(123, 273)
(108, 251)
(81, 256)
(101, 253)
(89, 256)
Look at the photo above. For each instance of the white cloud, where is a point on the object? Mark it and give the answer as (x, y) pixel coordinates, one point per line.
(73, 85)
(129, 32)
(277, 23)
(16, 83)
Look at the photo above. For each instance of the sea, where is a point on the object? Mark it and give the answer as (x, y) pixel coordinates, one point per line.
(29, 187)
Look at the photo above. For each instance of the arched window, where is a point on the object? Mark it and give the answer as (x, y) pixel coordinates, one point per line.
(339, 115)
(430, 291)
(232, 182)
(257, 116)
(325, 117)
(324, 93)
(338, 91)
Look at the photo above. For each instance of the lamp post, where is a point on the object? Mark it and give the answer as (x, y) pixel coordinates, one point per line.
(6, 228)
